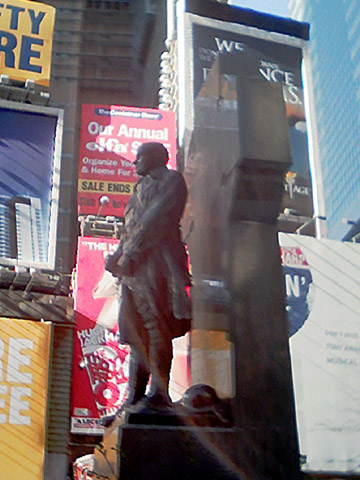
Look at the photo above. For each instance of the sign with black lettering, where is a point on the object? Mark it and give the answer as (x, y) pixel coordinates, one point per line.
(26, 30)
(110, 137)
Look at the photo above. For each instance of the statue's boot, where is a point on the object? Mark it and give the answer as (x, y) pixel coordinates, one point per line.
(160, 360)
(139, 374)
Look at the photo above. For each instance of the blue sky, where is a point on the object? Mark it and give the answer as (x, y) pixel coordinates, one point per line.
(276, 7)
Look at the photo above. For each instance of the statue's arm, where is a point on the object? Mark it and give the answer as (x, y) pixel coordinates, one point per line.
(166, 207)
(111, 261)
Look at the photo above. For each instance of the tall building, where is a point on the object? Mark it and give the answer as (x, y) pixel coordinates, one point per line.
(21, 229)
(5, 239)
(29, 241)
(104, 52)
(335, 63)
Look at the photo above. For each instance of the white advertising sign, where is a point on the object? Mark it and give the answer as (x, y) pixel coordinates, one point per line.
(323, 299)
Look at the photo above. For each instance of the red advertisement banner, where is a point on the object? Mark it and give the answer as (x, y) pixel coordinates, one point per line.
(109, 138)
(100, 367)
(100, 362)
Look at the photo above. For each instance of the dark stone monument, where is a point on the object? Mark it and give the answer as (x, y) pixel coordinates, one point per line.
(264, 408)
(151, 437)
(253, 436)
(180, 443)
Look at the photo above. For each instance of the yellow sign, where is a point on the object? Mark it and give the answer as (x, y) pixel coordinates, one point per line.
(104, 186)
(26, 30)
(24, 369)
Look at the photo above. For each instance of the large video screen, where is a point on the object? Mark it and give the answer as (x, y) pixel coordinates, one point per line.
(30, 144)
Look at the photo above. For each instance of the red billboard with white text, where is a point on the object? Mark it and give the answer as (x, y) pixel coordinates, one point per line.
(100, 362)
(110, 136)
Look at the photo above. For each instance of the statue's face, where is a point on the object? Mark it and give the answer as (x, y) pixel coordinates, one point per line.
(143, 162)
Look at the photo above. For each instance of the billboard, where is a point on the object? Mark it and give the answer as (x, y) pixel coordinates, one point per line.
(100, 362)
(323, 303)
(279, 59)
(110, 136)
(24, 372)
(321, 279)
(26, 31)
(30, 147)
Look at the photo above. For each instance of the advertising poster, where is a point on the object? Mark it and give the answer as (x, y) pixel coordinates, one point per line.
(323, 303)
(279, 59)
(26, 31)
(110, 136)
(24, 371)
(100, 365)
(100, 362)
(30, 143)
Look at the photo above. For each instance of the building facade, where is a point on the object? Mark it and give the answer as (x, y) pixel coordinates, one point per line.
(104, 52)
(335, 64)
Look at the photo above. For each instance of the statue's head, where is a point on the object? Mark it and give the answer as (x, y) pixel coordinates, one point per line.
(150, 155)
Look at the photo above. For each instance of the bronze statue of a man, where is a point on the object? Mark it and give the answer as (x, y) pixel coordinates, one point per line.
(151, 265)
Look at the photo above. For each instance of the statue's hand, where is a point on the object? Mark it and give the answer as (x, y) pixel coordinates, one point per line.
(125, 264)
(111, 264)
(121, 263)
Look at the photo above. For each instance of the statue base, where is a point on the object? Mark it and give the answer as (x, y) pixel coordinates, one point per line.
(167, 445)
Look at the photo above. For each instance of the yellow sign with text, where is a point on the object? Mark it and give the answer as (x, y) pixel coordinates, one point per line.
(24, 371)
(26, 31)
(104, 186)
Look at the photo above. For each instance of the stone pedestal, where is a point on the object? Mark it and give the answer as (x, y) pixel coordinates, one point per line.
(264, 409)
(168, 452)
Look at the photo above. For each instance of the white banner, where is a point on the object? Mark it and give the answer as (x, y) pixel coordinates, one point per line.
(322, 280)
